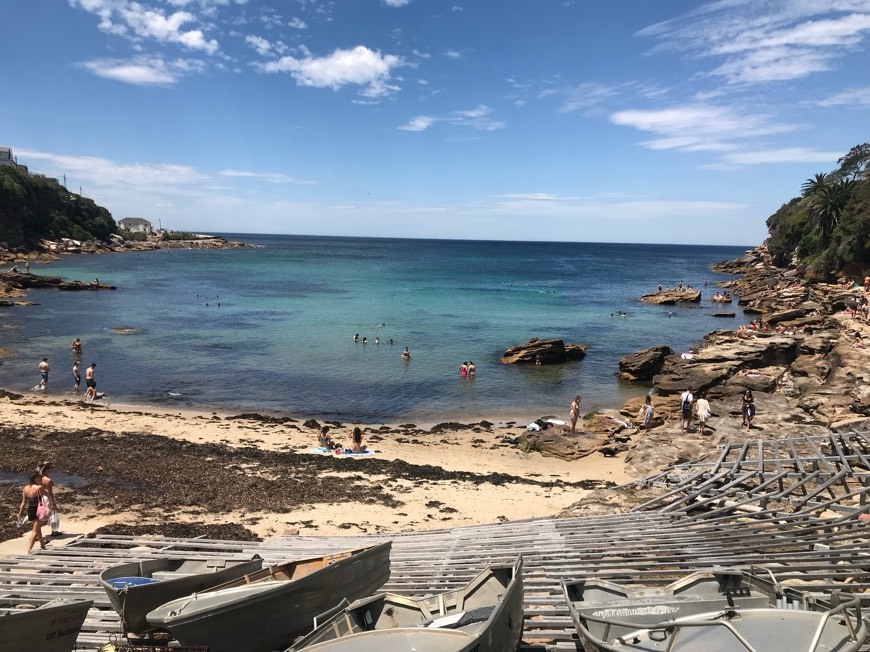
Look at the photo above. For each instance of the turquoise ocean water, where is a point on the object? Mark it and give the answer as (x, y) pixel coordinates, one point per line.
(282, 338)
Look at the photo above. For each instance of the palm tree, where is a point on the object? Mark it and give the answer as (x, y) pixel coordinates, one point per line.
(827, 203)
(813, 185)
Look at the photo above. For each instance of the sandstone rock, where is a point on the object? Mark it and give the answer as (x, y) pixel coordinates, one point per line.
(674, 296)
(643, 365)
(550, 352)
(565, 447)
(814, 366)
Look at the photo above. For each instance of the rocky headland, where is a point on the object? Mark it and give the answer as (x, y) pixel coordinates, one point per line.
(800, 358)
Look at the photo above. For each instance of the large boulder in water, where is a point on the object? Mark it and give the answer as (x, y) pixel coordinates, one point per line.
(670, 297)
(550, 352)
(643, 365)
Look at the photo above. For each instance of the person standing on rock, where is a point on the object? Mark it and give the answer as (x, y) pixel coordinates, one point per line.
(703, 407)
(574, 413)
(747, 408)
(645, 416)
(686, 400)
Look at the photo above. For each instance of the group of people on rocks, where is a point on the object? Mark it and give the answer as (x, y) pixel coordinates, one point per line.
(90, 373)
(38, 505)
(679, 287)
(325, 440)
(699, 406)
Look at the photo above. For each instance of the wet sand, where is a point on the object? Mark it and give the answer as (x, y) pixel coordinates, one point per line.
(224, 475)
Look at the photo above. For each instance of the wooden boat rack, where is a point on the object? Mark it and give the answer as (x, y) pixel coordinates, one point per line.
(786, 506)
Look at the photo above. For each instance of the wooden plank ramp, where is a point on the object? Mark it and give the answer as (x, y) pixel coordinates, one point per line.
(788, 506)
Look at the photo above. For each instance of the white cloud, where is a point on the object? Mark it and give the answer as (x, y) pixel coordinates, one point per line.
(360, 66)
(297, 23)
(261, 45)
(767, 40)
(396, 3)
(138, 22)
(782, 155)
(104, 173)
(271, 177)
(143, 70)
(453, 54)
(477, 118)
(698, 127)
(851, 97)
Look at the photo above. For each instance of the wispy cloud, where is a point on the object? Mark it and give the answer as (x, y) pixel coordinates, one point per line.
(396, 3)
(271, 177)
(698, 127)
(782, 155)
(759, 41)
(477, 118)
(359, 66)
(851, 97)
(143, 70)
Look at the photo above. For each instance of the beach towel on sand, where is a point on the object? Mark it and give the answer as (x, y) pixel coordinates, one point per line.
(341, 452)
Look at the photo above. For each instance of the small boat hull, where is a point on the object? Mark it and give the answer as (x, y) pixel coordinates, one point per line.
(710, 611)
(266, 610)
(52, 627)
(484, 616)
(163, 580)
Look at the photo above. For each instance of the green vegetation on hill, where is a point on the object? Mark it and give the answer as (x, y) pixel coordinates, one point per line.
(827, 227)
(33, 208)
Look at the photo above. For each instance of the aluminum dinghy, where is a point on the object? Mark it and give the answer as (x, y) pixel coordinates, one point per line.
(267, 609)
(486, 615)
(721, 610)
(50, 627)
(135, 588)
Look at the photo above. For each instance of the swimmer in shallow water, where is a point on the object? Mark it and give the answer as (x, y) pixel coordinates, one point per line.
(406, 354)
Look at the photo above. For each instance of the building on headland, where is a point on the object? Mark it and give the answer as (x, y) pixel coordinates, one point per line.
(136, 225)
(7, 158)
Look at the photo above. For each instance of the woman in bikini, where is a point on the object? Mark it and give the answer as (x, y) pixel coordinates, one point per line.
(30, 497)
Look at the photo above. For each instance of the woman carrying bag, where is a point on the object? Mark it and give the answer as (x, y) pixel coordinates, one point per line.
(37, 509)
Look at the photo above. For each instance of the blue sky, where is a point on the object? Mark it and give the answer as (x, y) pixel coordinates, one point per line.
(577, 120)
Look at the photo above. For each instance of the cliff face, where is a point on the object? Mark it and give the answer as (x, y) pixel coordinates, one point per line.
(34, 208)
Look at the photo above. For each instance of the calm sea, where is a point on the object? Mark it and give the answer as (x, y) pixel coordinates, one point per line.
(282, 337)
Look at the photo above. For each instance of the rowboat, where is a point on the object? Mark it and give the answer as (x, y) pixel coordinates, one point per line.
(721, 610)
(266, 609)
(485, 615)
(135, 588)
(49, 627)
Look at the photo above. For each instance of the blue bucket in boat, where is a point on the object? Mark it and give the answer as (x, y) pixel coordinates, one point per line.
(125, 582)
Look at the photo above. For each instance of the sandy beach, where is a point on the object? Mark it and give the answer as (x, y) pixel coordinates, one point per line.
(125, 466)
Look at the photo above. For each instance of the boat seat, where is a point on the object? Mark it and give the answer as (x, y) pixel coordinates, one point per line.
(162, 576)
(461, 618)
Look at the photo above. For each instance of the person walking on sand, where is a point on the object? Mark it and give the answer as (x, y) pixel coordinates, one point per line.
(747, 408)
(48, 495)
(686, 400)
(91, 382)
(77, 377)
(43, 372)
(645, 415)
(77, 350)
(703, 407)
(574, 413)
(31, 494)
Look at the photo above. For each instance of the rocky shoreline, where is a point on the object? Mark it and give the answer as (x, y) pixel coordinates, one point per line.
(14, 283)
(803, 364)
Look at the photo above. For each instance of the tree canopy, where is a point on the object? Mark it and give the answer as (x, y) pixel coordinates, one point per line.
(827, 227)
(34, 208)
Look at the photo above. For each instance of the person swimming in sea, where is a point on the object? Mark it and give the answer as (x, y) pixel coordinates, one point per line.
(406, 354)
